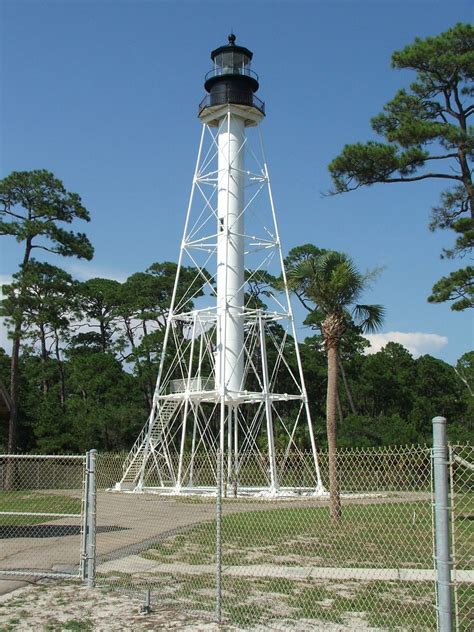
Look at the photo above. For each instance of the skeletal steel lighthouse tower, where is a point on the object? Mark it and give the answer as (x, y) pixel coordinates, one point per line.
(230, 380)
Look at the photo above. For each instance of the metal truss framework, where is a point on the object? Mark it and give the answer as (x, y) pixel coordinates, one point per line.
(194, 412)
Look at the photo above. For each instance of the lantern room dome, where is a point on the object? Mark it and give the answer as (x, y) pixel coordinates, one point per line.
(231, 79)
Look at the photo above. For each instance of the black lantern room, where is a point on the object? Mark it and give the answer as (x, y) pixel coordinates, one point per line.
(231, 79)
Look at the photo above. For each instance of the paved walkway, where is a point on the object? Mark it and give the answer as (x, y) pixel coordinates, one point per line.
(132, 564)
(125, 524)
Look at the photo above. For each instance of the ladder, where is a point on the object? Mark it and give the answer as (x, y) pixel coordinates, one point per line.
(133, 463)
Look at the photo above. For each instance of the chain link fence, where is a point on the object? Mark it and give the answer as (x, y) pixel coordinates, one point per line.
(252, 560)
(287, 565)
(41, 515)
(461, 459)
(138, 543)
(318, 571)
(262, 561)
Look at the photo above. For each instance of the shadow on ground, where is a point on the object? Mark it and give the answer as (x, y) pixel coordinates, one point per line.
(48, 530)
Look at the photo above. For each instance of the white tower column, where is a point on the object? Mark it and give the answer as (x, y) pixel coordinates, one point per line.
(230, 254)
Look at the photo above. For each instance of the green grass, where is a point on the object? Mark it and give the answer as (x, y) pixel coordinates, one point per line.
(384, 535)
(388, 605)
(194, 594)
(391, 535)
(36, 502)
(83, 625)
(248, 602)
(74, 625)
(465, 603)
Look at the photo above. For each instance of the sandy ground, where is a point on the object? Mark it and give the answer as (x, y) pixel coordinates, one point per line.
(57, 607)
(53, 607)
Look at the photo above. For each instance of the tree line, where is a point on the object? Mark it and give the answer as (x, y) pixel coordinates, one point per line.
(90, 353)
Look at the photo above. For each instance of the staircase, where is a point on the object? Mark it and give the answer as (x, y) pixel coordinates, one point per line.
(134, 461)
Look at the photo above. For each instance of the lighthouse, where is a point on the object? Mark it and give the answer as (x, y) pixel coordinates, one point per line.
(230, 380)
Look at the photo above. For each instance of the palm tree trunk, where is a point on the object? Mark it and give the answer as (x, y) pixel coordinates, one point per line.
(331, 411)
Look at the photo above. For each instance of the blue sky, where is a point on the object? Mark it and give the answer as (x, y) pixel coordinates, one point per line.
(104, 93)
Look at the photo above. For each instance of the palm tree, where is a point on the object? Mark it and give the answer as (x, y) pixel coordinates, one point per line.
(331, 282)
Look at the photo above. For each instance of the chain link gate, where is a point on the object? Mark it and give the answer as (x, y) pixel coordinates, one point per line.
(42, 516)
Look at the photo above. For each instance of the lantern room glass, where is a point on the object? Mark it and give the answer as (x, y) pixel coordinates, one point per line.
(231, 63)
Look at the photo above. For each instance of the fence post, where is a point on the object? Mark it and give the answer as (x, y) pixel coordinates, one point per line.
(85, 519)
(219, 537)
(441, 515)
(91, 520)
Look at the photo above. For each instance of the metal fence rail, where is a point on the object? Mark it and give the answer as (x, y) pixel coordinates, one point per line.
(41, 515)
